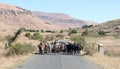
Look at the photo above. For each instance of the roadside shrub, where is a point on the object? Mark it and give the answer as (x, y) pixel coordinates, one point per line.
(49, 38)
(61, 31)
(60, 36)
(37, 36)
(101, 33)
(31, 30)
(87, 26)
(11, 40)
(107, 53)
(90, 49)
(72, 32)
(20, 49)
(42, 31)
(84, 33)
(28, 35)
(49, 31)
(79, 39)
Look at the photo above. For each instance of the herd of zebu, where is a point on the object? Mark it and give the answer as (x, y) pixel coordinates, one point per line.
(60, 47)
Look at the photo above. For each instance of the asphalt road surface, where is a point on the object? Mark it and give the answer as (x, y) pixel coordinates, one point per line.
(57, 62)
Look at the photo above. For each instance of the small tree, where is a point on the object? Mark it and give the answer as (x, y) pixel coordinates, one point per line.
(37, 36)
(28, 35)
(79, 39)
(42, 31)
(87, 26)
(49, 38)
(60, 36)
(85, 33)
(15, 36)
(49, 31)
(101, 33)
(61, 31)
(72, 32)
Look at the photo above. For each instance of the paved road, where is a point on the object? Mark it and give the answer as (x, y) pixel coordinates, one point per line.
(57, 62)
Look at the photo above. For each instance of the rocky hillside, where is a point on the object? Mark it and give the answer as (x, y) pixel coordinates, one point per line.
(112, 26)
(62, 20)
(14, 17)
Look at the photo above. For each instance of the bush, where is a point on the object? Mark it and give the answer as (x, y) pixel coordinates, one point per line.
(87, 26)
(49, 38)
(42, 31)
(101, 33)
(10, 41)
(79, 39)
(72, 32)
(20, 49)
(84, 33)
(37, 36)
(60, 36)
(90, 49)
(31, 30)
(28, 35)
(61, 31)
(49, 31)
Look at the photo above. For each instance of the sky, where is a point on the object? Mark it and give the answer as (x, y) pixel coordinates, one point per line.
(92, 10)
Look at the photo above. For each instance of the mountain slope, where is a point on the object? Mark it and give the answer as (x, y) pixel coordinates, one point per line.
(13, 17)
(62, 20)
(110, 27)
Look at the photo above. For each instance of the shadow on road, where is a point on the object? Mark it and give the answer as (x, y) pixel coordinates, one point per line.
(57, 54)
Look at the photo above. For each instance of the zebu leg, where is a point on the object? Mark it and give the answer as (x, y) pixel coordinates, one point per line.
(43, 52)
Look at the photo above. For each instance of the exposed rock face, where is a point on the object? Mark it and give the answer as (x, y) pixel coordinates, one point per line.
(11, 9)
(2, 11)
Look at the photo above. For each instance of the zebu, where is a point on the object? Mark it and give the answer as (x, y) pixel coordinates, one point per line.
(41, 47)
(56, 47)
(74, 49)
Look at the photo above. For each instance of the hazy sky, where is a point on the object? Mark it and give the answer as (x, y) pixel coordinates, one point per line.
(93, 10)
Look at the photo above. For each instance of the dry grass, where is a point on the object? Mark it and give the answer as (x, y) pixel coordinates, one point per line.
(23, 39)
(105, 62)
(10, 62)
(111, 45)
